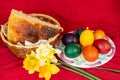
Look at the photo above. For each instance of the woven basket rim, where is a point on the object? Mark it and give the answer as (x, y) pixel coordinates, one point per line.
(10, 44)
(50, 17)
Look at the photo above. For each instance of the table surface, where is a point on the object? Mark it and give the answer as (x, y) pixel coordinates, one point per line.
(72, 14)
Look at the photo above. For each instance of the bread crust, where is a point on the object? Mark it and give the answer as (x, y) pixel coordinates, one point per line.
(23, 27)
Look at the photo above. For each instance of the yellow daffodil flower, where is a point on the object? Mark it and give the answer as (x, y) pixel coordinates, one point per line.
(42, 61)
(31, 63)
(46, 52)
(47, 70)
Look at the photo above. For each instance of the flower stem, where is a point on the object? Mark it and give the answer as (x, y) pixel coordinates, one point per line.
(75, 72)
(84, 73)
(108, 69)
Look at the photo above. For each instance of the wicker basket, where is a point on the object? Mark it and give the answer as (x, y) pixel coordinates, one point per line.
(21, 51)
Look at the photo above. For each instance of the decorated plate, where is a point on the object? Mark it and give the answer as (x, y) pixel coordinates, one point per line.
(80, 61)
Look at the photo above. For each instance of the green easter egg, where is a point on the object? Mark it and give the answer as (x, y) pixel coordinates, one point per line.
(72, 50)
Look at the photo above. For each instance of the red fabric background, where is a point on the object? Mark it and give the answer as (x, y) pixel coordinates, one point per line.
(72, 14)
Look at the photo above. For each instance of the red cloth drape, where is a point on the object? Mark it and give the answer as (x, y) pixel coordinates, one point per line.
(72, 14)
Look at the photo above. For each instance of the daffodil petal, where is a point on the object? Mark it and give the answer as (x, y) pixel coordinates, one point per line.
(42, 62)
(47, 75)
(41, 75)
(54, 69)
(54, 60)
(31, 71)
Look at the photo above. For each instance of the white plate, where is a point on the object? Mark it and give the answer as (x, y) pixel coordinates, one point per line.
(81, 62)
